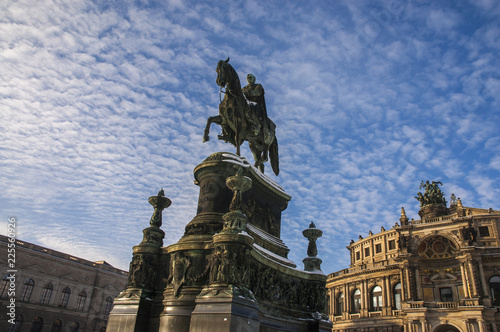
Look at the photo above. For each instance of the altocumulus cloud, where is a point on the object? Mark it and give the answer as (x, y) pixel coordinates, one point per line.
(104, 102)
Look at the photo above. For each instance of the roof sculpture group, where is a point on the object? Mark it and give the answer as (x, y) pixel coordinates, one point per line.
(243, 117)
(432, 194)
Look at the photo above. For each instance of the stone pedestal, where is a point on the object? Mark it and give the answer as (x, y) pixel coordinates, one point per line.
(225, 308)
(132, 309)
(176, 315)
(432, 211)
(230, 270)
(263, 203)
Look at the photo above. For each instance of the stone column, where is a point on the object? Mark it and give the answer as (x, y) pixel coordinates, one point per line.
(419, 288)
(352, 256)
(413, 283)
(480, 323)
(347, 306)
(467, 326)
(472, 278)
(423, 325)
(408, 283)
(464, 280)
(387, 295)
(403, 284)
(365, 307)
(332, 304)
(372, 250)
(484, 284)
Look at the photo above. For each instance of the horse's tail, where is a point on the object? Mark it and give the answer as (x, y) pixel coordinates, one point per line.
(273, 155)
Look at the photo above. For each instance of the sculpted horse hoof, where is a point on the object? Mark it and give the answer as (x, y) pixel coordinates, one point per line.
(206, 138)
(260, 162)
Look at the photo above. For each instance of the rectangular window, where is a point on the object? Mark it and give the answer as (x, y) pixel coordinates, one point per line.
(357, 255)
(446, 294)
(378, 248)
(484, 231)
(392, 244)
(367, 252)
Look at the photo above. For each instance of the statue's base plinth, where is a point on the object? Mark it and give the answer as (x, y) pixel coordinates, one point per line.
(230, 270)
(312, 264)
(176, 315)
(131, 311)
(432, 211)
(225, 308)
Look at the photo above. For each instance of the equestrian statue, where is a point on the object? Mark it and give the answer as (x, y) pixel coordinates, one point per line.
(243, 117)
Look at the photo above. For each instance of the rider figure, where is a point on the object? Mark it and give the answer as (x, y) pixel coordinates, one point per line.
(257, 115)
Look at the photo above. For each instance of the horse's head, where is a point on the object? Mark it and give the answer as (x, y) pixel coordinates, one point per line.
(222, 72)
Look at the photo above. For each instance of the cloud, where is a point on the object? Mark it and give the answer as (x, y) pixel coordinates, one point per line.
(104, 103)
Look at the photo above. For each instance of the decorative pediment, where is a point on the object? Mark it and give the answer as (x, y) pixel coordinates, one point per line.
(443, 276)
(34, 268)
(69, 277)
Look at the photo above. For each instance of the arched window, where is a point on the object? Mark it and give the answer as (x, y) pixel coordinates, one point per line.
(495, 290)
(397, 296)
(74, 327)
(356, 301)
(65, 297)
(82, 296)
(339, 304)
(46, 294)
(27, 290)
(4, 287)
(16, 327)
(57, 326)
(377, 298)
(37, 325)
(108, 305)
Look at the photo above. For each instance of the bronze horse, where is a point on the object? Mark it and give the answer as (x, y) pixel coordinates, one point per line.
(235, 118)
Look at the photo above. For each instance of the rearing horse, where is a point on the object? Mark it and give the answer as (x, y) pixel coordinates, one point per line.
(235, 114)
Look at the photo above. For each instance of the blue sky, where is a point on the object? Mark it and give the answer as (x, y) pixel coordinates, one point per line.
(103, 103)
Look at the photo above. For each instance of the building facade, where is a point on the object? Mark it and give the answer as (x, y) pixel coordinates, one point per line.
(57, 292)
(439, 273)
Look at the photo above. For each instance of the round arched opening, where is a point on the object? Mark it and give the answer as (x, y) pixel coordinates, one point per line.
(446, 328)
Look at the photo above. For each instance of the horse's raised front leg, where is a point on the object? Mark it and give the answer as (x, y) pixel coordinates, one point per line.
(217, 119)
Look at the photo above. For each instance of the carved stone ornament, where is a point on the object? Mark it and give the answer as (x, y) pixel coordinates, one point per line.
(179, 265)
(142, 272)
(311, 262)
(235, 221)
(159, 202)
